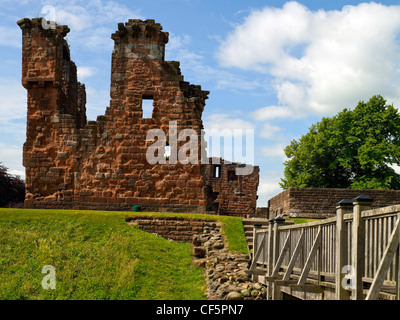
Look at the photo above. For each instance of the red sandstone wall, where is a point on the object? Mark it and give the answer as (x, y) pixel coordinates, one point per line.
(321, 202)
(102, 164)
(230, 193)
(170, 228)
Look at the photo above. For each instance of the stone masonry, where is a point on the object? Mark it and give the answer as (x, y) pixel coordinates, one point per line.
(229, 193)
(73, 163)
(321, 202)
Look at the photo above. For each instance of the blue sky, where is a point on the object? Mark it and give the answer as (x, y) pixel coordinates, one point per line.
(273, 66)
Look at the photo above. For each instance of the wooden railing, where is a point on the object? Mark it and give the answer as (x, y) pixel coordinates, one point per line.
(357, 251)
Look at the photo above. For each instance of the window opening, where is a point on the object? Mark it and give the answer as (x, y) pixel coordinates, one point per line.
(147, 106)
(217, 171)
(167, 152)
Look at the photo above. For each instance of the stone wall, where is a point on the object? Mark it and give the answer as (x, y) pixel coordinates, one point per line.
(321, 202)
(74, 164)
(228, 192)
(169, 228)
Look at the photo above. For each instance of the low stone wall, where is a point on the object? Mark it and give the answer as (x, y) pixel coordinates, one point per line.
(321, 202)
(225, 271)
(170, 228)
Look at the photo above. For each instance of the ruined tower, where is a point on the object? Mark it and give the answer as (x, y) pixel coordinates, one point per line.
(103, 164)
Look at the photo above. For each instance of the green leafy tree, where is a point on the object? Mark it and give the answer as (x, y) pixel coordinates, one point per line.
(354, 149)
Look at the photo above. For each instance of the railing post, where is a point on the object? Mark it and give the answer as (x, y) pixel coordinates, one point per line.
(256, 226)
(342, 207)
(361, 203)
(278, 221)
(396, 272)
(270, 253)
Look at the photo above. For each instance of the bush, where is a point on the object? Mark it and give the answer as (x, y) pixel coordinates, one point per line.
(12, 189)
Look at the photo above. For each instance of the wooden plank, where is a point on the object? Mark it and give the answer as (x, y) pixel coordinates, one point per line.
(342, 253)
(375, 257)
(255, 244)
(328, 249)
(370, 248)
(384, 211)
(396, 272)
(392, 268)
(311, 288)
(379, 240)
(270, 248)
(285, 283)
(257, 254)
(385, 262)
(281, 256)
(321, 222)
(358, 245)
(270, 258)
(310, 258)
(294, 257)
(255, 272)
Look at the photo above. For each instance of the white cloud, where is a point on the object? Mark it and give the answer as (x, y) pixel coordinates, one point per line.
(177, 42)
(268, 131)
(19, 173)
(91, 22)
(221, 121)
(275, 150)
(76, 17)
(226, 80)
(11, 157)
(12, 125)
(195, 67)
(321, 61)
(273, 112)
(86, 72)
(80, 15)
(229, 138)
(268, 187)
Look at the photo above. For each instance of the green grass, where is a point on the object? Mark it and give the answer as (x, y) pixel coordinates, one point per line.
(232, 227)
(97, 255)
(302, 220)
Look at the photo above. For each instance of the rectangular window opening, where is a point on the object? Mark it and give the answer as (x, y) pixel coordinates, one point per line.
(147, 106)
(217, 171)
(167, 152)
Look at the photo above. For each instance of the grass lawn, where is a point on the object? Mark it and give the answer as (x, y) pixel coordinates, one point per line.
(97, 255)
(302, 220)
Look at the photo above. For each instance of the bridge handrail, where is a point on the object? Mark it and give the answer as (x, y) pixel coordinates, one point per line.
(375, 230)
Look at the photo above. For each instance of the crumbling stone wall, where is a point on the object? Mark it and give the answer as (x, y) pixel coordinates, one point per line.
(172, 228)
(72, 163)
(229, 192)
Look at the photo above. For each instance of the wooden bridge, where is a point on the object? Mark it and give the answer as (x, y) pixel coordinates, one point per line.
(354, 255)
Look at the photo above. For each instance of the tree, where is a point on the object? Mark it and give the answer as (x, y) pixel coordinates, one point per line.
(12, 188)
(354, 149)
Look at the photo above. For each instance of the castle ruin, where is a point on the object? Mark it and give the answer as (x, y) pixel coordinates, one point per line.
(72, 163)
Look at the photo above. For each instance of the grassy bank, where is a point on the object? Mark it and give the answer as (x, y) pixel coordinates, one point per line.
(97, 255)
